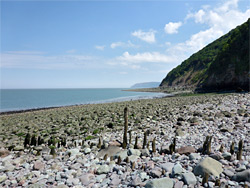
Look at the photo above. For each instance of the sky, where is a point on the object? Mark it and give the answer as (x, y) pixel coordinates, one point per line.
(106, 44)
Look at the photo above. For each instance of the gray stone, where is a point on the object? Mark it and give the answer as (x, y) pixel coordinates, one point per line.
(133, 158)
(86, 178)
(210, 166)
(177, 169)
(145, 152)
(123, 154)
(110, 151)
(241, 168)
(18, 148)
(227, 156)
(143, 175)
(103, 169)
(242, 176)
(38, 185)
(228, 173)
(3, 178)
(87, 150)
(38, 165)
(136, 181)
(160, 183)
(134, 152)
(194, 156)
(189, 178)
(167, 166)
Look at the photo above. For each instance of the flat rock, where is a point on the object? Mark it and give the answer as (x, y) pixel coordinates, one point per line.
(134, 152)
(38, 165)
(86, 178)
(186, 150)
(167, 166)
(210, 166)
(110, 151)
(4, 152)
(177, 169)
(189, 178)
(160, 183)
(228, 173)
(242, 176)
(103, 169)
(3, 178)
(194, 156)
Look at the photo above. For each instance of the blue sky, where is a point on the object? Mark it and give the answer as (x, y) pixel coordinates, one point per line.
(90, 44)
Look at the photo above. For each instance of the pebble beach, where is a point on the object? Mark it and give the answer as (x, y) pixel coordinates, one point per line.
(167, 144)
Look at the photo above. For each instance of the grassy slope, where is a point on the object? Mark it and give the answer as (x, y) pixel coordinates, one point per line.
(196, 70)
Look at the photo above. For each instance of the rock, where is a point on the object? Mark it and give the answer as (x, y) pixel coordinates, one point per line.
(18, 148)
(136, 181)
(179, 132)
(143, 176)
(194, 156)
(86, 178)
(189, 178)
(210, 166)
(160, 183)
(228, 173)
(87, 151)
(177, 169)
(227, 156)
(4, 152)
(178, 184)
(3, 178)
(167, 166)
(242, 176)
(38, 185)
(62, 186)
(115, 182)
(156, 173)
(145, 152)
(241, 168)
(134, 152)
(38, 165)
(110, 151)
(123, 154)
(186, 150)
(103, 169)
(133, 158)
(150, 164)
(216, 156)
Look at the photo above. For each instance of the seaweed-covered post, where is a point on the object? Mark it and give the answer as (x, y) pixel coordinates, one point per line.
(153, 146)
(239, 154)
(205, 179)
(209, 145)
(125, 139)
(130, 136)
(136, 143)
(145, 140)
(27, 140)
(174, 144)
(99, 145)
(232, 148)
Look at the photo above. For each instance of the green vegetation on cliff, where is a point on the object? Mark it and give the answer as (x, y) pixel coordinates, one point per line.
(221, 65)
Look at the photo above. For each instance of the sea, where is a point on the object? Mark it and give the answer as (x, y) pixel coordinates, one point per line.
(25, 99)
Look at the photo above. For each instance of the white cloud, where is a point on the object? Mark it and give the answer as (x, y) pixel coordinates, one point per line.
(99, 47)
(145, 36)
(39, 60)
(172, 27)
(122, 44)
(146, 57)
(219, 20)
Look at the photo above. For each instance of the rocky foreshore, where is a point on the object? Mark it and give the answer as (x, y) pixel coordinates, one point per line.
(192, 141)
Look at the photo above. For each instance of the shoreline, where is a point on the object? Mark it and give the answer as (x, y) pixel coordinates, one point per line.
(108, 101)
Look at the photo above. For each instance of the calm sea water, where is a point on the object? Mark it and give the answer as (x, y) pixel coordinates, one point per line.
(21, 99)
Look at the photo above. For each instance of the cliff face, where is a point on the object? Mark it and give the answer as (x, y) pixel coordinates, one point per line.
(221, 65)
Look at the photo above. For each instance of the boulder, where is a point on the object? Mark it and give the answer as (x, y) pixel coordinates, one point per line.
(210, 166)
(160, 183)
(189, 178)
(103, 169)
(242, 176)
(186, 150)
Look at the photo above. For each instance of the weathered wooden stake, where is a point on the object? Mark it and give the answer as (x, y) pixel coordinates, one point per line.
(153, 146)
(240, 150)
(125, 139)
(144, 140)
